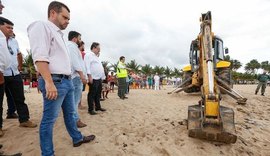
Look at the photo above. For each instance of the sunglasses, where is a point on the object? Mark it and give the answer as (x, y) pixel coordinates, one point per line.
(10, 50)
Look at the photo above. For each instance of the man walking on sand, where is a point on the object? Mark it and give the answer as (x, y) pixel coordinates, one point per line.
(53, 63)
(263, 78)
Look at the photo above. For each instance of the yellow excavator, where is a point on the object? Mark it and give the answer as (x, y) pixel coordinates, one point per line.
(209, 74)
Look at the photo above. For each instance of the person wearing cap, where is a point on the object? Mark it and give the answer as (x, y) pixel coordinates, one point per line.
(263, 78)
(52, 61)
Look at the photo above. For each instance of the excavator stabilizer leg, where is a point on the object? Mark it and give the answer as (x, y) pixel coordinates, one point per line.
(225, 132)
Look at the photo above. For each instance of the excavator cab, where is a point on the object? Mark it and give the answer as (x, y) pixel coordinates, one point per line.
(218, 55)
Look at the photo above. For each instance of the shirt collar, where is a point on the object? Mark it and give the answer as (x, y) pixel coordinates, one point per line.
(55, 27)
(73, 43)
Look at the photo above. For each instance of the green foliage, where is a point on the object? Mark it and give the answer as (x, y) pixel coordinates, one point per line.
(147, 69)
(106, 66)
(265, 65)
(159, 70)
(167, 72)
(252, 66)
(134, 66)
(28, 63)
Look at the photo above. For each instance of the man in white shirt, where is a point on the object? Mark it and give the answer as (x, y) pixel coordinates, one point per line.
(13, 80)
(5, 61)
(53, 63)
(157, 79)
(95, 73)
(77, 71)
(15, 68)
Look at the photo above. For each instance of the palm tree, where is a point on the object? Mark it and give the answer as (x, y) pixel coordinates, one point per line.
(147, 69)
(105, 65)
(28, 65)
(113, 67)
(265, 65)
(176, 72)
(227, 58)
(252, 66)
(235, 65)
(159, 70)
(167, 72)
(134, 66)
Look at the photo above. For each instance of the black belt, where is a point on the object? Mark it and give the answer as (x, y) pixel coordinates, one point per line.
(96, 79)
(61, 76)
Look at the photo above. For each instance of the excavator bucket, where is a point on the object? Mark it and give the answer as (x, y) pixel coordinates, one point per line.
(222, 132)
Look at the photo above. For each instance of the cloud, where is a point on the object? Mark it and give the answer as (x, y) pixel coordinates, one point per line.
(155, 32)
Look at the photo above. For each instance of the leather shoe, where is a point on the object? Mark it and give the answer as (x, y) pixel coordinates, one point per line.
(12, 116)
(101, 109)
(28, 124)
(92, 112)
(126, 97)
(86, 139)
(80, 124)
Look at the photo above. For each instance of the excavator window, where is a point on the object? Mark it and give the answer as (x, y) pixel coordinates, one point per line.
(219, 50)
(194, 55)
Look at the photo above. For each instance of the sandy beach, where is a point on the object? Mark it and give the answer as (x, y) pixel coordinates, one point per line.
(147, 123)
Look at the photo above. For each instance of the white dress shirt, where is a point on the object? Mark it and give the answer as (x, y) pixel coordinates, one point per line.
(47, 44)
(94, 66)
(14, 50)
(5, 59)
(77, 63)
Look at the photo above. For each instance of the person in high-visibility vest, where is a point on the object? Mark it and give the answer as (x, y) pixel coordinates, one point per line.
(121, 76)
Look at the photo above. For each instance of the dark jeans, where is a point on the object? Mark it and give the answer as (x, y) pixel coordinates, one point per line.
(122, 87)
(14, 85)
(94, 95)
(10, 102)
(2, 89)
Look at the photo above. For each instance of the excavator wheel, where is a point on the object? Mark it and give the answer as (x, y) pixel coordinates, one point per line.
(191, 89)
(222, 132)
(226, 76)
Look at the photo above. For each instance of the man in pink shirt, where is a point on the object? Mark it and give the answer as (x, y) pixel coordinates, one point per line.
(51, 58)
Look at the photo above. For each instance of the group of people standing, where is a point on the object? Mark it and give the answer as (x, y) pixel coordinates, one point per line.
(63, 70)
(143, 82)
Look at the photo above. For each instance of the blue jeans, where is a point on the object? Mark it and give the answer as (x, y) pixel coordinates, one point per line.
(77, 83)
(51, 109)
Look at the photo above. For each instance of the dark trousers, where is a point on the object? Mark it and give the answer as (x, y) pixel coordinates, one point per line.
(263, 85)
(10, 102)
(14, 85)
(122, 87)
(2, 89)
(94, 95)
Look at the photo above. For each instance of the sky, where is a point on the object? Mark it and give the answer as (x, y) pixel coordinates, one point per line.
(155, 32)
